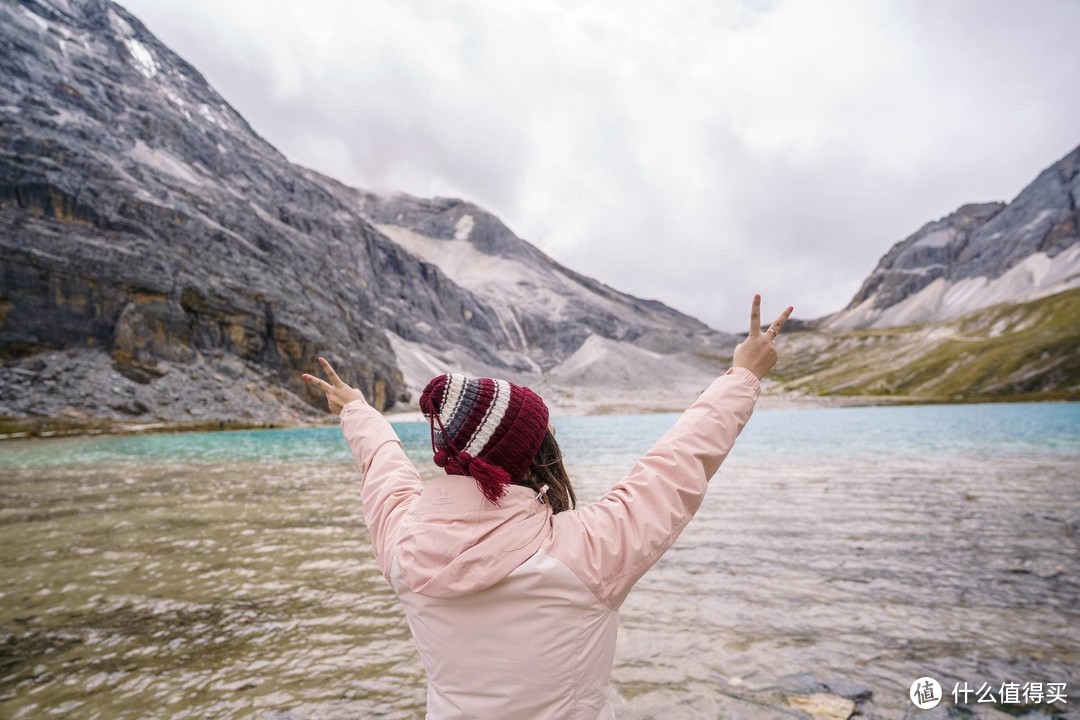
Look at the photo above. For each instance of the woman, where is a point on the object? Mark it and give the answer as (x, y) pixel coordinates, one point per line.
(510, 593)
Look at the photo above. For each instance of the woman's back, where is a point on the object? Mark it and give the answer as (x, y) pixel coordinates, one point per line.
(532, 642)
(511, 596)
(514, 609)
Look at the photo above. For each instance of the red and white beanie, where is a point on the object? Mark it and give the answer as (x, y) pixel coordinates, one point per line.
(487, 429)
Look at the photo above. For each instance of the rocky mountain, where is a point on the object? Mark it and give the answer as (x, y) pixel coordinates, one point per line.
(163, 261)
(557, 328)
(980, 255)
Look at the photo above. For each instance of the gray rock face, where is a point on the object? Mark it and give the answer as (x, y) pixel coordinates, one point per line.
(439, 218)
(143, 218)
(930, 253)
(980, 255)
(541, 312)
(142, 215)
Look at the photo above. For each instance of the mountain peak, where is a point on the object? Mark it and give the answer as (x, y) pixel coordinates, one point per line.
(980, 255)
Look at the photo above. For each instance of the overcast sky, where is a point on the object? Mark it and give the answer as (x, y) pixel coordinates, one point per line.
(692, 152)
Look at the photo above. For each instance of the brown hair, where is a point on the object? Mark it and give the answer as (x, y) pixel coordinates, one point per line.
(547, 469)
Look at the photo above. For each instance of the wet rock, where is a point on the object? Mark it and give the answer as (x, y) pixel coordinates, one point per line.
(849, 690)
(806, 683)
(823, 706)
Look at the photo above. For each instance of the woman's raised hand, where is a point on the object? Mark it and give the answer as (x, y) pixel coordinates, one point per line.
(757, 353)
(338, 394)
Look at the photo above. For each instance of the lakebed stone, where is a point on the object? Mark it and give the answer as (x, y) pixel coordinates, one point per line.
(823, 706)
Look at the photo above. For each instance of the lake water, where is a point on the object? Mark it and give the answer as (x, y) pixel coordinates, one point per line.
(230, 574)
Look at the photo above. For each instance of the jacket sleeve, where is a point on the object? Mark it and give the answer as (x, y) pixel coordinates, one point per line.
(613, 542)
(388, 480)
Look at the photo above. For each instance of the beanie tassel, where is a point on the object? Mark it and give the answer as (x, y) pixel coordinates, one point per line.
(491, 479)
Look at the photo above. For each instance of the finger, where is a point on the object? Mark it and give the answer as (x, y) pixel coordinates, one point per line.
(330, 373)
(778, 324)
(755, 316)
(318, 382)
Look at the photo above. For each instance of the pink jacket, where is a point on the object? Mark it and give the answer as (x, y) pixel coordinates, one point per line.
(513, 609)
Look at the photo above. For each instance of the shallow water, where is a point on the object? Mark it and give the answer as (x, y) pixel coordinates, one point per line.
(230, 575)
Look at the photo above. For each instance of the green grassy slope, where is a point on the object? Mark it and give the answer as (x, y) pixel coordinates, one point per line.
(1005, 352)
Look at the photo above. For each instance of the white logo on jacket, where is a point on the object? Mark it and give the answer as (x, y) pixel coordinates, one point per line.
(443, 498)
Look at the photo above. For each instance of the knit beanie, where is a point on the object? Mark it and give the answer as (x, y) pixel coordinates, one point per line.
(488, 429)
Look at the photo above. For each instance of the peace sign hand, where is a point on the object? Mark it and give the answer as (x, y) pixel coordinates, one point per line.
(757, 353)
(338, 394)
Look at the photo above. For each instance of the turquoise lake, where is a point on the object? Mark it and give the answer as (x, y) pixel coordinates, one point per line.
(230, 575)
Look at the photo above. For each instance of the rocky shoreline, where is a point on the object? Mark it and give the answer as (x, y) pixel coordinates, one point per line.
(80, 391)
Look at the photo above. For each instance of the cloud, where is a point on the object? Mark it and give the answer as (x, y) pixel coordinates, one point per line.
(693, 152)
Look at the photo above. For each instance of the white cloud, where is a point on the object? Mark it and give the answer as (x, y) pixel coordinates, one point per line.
(692, 152)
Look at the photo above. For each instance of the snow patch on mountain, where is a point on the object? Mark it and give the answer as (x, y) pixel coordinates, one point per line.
(604, 362)
(464, 227)
(1036, 276)
(144, 60)
(41, 22)
(164, 161)
(505, 280)
(937, 238)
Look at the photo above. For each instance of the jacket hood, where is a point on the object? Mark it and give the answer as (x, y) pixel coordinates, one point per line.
(455, 542)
